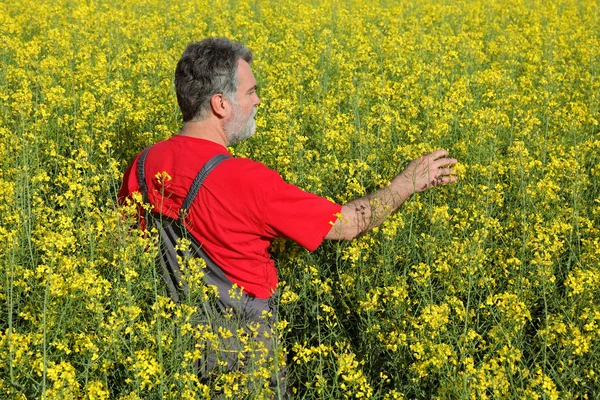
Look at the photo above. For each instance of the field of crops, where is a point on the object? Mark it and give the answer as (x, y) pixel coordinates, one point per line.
(487, 288)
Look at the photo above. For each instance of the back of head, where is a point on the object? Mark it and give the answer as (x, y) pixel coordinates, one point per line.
(207, 68)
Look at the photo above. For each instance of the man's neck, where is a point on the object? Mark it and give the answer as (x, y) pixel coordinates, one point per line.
(208, 129)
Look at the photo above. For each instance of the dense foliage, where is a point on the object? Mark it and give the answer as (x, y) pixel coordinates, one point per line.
(488, 288)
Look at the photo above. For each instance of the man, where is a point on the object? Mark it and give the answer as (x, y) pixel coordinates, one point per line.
(242, 205)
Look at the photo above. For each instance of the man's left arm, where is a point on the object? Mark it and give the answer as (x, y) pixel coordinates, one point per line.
(367, 212)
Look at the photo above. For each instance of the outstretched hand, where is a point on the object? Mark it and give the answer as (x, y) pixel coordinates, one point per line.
(428, 171)
(367, 212)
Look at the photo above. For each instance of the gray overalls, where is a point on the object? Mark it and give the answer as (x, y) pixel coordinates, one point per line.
(226, 312)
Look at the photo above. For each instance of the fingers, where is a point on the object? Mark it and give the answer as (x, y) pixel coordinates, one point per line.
(443, 180)
(439, 164)
(436, 161)
(444, 171)
(433, 169)
(443, 162)
(437, 154)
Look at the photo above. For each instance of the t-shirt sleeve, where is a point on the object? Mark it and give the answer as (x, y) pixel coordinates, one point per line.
(298, 215)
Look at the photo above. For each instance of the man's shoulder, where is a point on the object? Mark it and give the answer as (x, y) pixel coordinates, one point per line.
(247, 175)
(248, 166)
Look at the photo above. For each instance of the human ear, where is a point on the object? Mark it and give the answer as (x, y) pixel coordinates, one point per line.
(220, 105)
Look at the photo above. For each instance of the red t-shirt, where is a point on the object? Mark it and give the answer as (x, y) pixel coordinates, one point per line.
(240, 208)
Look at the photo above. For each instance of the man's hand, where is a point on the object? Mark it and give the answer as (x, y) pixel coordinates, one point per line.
(426, 172)
(365, 213)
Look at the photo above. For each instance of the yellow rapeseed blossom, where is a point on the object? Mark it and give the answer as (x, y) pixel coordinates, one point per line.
(487, 288)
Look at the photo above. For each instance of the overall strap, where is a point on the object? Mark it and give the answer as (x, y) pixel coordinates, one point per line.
(141, 173)
(172, 230)
(196, 184)
(199, 180)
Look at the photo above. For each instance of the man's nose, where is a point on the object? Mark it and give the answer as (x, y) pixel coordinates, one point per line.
(256, 99)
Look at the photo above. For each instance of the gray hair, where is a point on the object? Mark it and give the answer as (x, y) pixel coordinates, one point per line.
(207, 68)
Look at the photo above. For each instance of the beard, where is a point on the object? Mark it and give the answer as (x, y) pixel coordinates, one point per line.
(240, 126)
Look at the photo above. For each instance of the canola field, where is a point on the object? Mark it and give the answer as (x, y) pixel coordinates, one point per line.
(485, 289)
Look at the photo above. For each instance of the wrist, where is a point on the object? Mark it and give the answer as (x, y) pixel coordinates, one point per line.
(402, 187)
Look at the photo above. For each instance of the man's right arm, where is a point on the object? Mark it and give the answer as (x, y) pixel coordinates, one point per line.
(367, 212)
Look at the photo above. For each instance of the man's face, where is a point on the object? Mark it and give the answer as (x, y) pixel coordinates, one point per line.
(241, 124)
